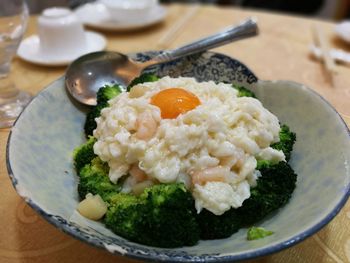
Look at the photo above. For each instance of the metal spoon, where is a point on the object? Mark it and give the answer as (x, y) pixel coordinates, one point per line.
(92, 71)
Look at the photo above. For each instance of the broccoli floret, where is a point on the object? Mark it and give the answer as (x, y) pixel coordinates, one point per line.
(215, 227)
(257, 233)
(146, 77)
(274, 189)
(107, 92)
(90, 123)
(243, 92)
(93, 178)
(104, 94)
(287, 140)
(171, 216)
(162, 216)
(263, 164)
(84, 154)
(126, 216)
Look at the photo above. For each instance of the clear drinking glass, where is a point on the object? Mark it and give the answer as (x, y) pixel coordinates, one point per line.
(13, 22)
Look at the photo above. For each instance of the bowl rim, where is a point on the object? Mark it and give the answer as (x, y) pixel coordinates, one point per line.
(264, 251)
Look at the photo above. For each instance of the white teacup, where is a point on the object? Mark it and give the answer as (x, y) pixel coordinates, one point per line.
(129, 10)
(61, 33)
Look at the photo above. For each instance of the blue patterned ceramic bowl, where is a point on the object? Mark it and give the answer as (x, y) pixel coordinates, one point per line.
(39, 160)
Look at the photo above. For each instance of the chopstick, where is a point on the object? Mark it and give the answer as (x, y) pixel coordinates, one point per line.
(320, 40)
(338, 55)
(166, 40)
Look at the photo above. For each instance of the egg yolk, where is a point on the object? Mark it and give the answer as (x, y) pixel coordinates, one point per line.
(174, 101)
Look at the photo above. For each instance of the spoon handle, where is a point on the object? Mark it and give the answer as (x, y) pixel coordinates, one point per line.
(247, 28)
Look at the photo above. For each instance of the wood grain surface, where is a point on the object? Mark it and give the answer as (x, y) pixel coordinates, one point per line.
(281, 51)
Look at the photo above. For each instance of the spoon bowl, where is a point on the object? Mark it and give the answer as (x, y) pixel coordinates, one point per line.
(92, 71)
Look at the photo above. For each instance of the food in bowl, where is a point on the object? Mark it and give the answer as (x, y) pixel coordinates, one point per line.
(175, 161)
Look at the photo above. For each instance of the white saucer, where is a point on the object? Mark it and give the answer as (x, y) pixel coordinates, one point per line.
(96, 15)
(343, 30)
(29, 50)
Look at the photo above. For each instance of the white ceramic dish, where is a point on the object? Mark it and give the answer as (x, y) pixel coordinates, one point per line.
(343, 30)
(129, 9)
(60, 32)
(29, 50)
(39, 161)
(96, 15)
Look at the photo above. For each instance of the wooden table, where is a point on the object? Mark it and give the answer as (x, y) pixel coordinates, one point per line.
(280, 52)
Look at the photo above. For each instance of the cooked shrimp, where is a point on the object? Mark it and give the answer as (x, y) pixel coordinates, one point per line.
(138, 189)
(235, 161)
(137, 177)
(211, 174)
(240, 157)
(229, 161)
(146, 126)
(137, 91)
(137, 173)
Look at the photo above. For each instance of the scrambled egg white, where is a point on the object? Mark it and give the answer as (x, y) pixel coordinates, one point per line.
(212, 148)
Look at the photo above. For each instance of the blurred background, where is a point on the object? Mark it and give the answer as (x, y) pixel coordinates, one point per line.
(325, 9)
